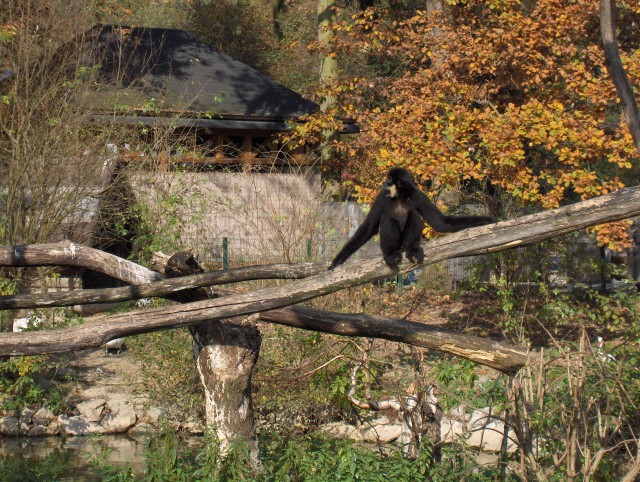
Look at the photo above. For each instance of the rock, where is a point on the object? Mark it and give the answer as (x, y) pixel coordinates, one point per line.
(26, 417)
(153, 415)
(489, 439)
(26, 420)
(382, 433)
(43, 416)
(44, 430)
(120, 419)
(379, 430)
(75, 425)
(459, 414)
(480, 418)
(340, 430)
(93, 392)
(141, 430)
(95, 428)
(9, 426)
(451, 430)
(91, 410)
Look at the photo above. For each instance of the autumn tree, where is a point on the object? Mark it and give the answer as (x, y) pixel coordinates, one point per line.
(502, 95)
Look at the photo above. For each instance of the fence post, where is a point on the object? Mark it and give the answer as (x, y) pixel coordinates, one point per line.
(225, 253)
(400, 283)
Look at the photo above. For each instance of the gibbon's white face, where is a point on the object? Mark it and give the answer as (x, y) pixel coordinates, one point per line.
(393, 191)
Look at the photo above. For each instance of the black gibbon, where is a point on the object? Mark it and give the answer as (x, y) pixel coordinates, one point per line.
(398, 213)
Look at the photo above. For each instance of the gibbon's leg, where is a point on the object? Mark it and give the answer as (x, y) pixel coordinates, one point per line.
(411, 237)
(390, 241)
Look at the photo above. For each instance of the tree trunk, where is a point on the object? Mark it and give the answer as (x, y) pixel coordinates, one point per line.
(226, 357)
(616, 69)
(226, 354)
(328, 69)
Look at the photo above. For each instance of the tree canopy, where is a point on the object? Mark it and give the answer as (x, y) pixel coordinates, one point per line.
(506, 95)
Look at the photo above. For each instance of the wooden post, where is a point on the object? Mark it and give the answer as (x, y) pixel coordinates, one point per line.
(225, 253)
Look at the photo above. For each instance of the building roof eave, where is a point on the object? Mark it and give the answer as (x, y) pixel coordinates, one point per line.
(248, 124)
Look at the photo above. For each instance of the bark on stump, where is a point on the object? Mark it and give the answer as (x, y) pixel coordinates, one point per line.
(226, 354)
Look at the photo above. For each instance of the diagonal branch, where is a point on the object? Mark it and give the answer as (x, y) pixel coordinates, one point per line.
(501, 356)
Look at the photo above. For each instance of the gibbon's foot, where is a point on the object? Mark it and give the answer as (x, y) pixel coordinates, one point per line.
(415, 255)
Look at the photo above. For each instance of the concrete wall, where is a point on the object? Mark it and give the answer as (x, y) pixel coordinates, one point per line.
(264, 217)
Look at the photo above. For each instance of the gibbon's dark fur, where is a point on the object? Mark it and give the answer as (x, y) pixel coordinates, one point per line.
(398, 213)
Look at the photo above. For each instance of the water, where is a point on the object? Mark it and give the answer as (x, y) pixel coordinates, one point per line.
(33, 457)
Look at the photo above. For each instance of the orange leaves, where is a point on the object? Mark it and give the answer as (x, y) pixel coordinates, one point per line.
(614, 236)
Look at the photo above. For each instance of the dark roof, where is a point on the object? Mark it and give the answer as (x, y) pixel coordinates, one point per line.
(168, 77)
(171, 70)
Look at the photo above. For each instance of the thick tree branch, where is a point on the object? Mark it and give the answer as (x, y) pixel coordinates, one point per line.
(72, 254)
(504, 235)
(159, 288)
(616, 70)
(501, 356)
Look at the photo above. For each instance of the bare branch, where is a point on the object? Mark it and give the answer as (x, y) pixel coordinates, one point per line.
(501, 356)
(72, 254)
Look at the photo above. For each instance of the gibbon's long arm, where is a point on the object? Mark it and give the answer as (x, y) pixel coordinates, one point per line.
(364, 233)
(441, 223)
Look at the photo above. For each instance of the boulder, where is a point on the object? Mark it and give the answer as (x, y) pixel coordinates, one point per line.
(75, 425)
(153, 415)
(43, 416)
(451, 430)
(480, 418)
(52, 428)
(91, 410)
(382, 433)
(120, 419)
(489, 438)
(141, 430)
(341, 430)
(9, 426)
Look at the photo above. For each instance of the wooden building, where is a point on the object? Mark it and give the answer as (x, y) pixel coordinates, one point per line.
(223, 111)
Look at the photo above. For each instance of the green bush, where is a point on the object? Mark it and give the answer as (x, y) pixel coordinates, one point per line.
(23, 382)
(308, 459)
